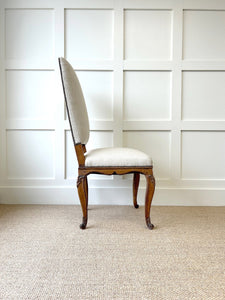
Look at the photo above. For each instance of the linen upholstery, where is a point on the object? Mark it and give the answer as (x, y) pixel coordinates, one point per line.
(116, 157)
(76, 107)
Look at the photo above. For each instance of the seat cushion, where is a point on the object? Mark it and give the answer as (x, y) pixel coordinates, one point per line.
(116, 157)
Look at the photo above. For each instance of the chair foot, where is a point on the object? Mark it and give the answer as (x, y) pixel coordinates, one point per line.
(149, 224)
(136, 206)
(84, 224)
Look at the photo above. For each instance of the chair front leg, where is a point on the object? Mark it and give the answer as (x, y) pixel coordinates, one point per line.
(150, 180)
(135, 188)
(83, 195)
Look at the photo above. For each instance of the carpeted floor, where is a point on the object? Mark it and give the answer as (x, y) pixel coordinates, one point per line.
(44, 254)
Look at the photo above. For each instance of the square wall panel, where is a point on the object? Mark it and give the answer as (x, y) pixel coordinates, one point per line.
(203, 155)
(97, 87)
(30, 95)
(100, 139)
(203, 95)
(89, 34)
(148, 34)
(29, 33)
(154, 143)
(147, 95)
(30, 154)
(204, 32)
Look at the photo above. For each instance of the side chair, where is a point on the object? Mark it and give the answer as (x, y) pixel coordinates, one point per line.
(107, 161)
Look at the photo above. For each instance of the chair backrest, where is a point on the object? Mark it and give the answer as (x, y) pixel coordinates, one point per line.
(75, 103)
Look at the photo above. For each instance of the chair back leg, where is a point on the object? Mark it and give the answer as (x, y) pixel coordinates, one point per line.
(136, 180)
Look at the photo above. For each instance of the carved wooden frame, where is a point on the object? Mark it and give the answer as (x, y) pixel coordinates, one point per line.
(82, 183)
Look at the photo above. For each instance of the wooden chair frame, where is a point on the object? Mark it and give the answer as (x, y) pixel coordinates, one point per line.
(82, 183)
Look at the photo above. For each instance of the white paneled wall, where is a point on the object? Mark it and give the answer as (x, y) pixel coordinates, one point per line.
(153, 75)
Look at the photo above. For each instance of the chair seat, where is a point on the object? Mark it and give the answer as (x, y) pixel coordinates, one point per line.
(116, 157)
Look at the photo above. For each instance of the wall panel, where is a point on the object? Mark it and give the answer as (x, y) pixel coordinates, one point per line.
(203, 95)
(29, 33)
(153, 75)
(30, 95)
(147, 95)
(204, 34)
(30, 154)
(203, 154)
(89, 34)
(147, 34)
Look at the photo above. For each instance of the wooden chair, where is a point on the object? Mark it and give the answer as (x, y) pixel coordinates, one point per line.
(107, 161)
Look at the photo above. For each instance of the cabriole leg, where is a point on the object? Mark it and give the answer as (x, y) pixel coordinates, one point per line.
(82, 191)
(86, 190)
(150, 180)
(135, 188)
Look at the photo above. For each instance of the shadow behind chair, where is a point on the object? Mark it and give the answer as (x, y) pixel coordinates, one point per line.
(107, 161)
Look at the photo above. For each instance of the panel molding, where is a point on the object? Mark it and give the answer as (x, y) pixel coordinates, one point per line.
(59, 189)
(110, 196)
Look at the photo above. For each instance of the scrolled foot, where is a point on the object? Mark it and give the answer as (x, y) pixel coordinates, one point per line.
(83, 224)
(136, 206)
(149, 224)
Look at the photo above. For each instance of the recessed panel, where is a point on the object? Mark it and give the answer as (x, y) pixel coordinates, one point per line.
(30, 95)
(30, 154)
(147, 95)
(89, 34)
(204, 34)
(100, 139)
(97, 87)
(203, 155)
(203, 95)
(148, 34)
(29, 33)
(156, 144)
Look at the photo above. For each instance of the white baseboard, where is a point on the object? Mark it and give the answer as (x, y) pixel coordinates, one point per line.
(111, 196)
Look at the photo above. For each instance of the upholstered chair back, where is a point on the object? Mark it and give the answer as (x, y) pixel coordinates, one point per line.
(75, 103)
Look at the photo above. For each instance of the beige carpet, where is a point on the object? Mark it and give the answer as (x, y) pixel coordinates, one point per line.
(44, 254)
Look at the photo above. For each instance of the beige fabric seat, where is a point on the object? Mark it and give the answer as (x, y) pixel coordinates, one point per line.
(116, 157)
